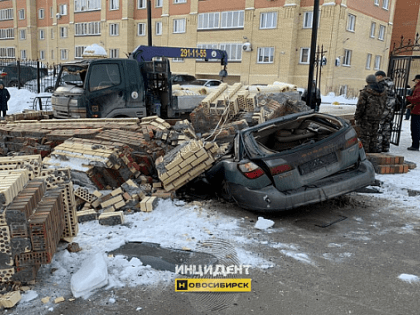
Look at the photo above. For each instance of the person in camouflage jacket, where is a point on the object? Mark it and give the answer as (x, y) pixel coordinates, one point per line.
(385, 126)
(369, 112)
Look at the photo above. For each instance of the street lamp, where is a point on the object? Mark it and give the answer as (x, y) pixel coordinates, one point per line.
(311, 96)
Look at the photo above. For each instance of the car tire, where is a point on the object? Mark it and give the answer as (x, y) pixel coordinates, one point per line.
(13, 84)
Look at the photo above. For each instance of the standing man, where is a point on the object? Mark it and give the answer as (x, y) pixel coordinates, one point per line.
(414, 99)
(370, 106)
(385, 125)
(4, 97)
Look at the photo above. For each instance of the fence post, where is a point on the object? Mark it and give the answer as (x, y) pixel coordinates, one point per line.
(38, 80)
(18, 73)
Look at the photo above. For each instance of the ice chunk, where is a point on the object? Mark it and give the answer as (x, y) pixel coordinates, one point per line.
(408, 278)
(93, 274)
(29, 296)
(263, 224)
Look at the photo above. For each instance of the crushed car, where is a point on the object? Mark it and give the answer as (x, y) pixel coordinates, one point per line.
(291, 161)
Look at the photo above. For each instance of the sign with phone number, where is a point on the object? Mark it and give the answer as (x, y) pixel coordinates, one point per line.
(193, 53)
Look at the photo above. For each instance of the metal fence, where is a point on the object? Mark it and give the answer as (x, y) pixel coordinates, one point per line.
(33, 75)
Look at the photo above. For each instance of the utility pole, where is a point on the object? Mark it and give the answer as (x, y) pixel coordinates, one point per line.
(149, 23)
(311, 96)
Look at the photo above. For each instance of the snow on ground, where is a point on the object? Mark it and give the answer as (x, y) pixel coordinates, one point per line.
(189, 225)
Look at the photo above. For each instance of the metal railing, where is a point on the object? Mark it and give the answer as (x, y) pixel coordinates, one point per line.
(33, 75)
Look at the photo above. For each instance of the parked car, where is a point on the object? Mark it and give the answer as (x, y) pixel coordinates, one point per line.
(47, 84)
(204, 83)
(182, 78)
(292, 161)
(9, 74)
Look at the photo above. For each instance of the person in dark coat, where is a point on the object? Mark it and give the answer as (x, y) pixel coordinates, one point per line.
(316, 97)
(414, 99)
(4, 97)
(369, 111)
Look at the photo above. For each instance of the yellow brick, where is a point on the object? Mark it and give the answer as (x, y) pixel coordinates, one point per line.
(200, 159)
(173, 171)
(119, 205)
(111, 201)
(116, 191)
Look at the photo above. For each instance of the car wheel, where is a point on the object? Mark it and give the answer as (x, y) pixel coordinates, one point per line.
(13, 84)
(224, 191)
(49, 89)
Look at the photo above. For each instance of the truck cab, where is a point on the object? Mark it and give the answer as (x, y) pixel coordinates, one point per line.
(111, 88)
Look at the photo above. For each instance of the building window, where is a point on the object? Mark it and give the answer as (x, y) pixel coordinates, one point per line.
(265, 55)
(179, 26)
(114, 29)
(64, 54)
(307, 19)
(90, 28)
(41, 14)
(381, 35)
(114, 53)
(385, 4)
(372, 29)
(52, 33)
(41, 34)
(6, 14)
(8, 33)
(376, 2)
(8, 52)
(52, 54)
(141, 4)
(78, 51)
(268, 20)
(63, 32)
(114, 4)
(234, 51)
(347, 57)
(180, 1)
(377, 65)
(233, 19)
(208, 21)
(178, 59)
(159, 3)
(23, 54)
(86, 5)
(22, 34)
(42, 54)
(141, 29)
(368, 61)
(304, 55)
(158, 28)
(351, 23)
(62, 9)
(22, 14)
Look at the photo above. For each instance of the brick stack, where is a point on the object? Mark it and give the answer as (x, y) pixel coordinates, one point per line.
(99, 163)
(32, 163)
(184, 163)
(388, 164)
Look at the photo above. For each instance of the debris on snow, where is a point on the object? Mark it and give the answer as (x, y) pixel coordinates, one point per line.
(263, 224)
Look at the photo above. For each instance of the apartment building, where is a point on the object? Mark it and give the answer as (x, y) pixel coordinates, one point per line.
(266, 40)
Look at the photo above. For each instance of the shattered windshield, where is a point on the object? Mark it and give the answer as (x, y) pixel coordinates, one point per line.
(72, 75)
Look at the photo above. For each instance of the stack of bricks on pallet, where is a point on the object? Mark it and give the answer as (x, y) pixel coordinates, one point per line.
(29, 115)
(106, 164)
(185, 162)
(61, 178)
(387, 163)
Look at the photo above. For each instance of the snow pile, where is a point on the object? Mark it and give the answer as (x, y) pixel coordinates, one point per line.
(409, 278)
(93, 274)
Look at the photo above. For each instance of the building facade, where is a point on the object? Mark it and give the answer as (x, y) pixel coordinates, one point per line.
(266, 40)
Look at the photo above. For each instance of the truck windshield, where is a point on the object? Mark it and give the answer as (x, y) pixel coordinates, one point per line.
(103, 76)
(71, 75)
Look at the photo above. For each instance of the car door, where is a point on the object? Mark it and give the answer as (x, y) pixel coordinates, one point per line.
(105, 87)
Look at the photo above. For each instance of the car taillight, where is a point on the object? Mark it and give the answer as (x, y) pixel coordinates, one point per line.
(352, 141)
(280, 169)
(3, 74)
(251, 170)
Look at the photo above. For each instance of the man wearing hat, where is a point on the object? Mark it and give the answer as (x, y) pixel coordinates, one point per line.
(370, 106)
(4, 97)
(414, 99)
(388, 114)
